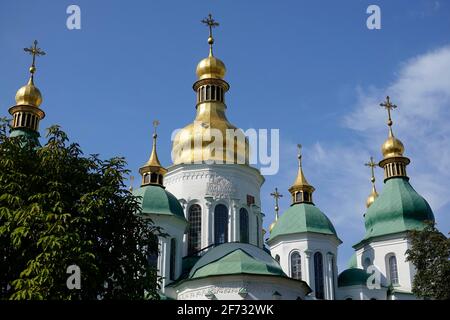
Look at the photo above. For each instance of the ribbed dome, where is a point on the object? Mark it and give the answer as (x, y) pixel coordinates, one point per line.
(193, 143)
(352, 277)
(236, 258)
(392, 147)
(398, 208)
(211, 67)
(155, 199)
(29, 95)
(302, 217)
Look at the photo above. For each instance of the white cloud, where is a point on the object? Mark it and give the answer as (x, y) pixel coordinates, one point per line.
(422, 121)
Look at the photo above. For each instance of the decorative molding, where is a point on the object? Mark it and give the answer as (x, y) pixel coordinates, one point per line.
(220, 187)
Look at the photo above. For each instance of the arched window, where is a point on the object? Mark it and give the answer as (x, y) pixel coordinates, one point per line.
(298, 196)
(277, 258)
(173, 254)
(393, 271)
(318, 275)
(153, 178)
(367, 262)
(195, 228)
(306, 197)
(296, 266)
(220, 224)
(243, 223)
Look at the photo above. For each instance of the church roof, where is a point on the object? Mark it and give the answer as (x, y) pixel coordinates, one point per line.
(236, 258)
(398, 208)
(303, 217)
(352, 277)
(154, 199)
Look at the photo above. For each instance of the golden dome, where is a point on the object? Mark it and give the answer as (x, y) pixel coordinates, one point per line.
(211, 68)
(392, 147)
(371, 198)
(29, 95)
(272, 225)
(197, 143)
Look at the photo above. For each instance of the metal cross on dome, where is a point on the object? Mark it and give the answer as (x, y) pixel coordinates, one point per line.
(34, 51)
(372, 165)
(388, 106)
(211, 23)
(276, 196)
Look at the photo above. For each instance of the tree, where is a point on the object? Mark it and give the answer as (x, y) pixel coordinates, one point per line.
(59, 208)
(429, 252)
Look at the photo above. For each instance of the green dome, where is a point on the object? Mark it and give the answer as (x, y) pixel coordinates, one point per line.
(235, 258)
(302, 217)
(352, 277)
(398, 208)
(156, 200)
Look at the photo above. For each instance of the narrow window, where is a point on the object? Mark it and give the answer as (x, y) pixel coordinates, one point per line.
(393, 271)
(243, 225)
(296, 266)
(318, 275)
(173, 248)
(195, 229)
(220, 224)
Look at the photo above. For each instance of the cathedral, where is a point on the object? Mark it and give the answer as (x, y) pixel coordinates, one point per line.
(216, 248)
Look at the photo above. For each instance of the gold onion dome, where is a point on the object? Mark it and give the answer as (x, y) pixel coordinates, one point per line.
(197, 142)
(392, 147)
(28, 94)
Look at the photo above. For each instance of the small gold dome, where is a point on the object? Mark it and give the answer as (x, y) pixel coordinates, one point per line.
(392, 147)
(211, 67)
(272, 225)
(29, 95)
(371, 198)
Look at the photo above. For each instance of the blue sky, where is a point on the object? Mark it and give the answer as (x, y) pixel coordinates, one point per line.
(310, 68)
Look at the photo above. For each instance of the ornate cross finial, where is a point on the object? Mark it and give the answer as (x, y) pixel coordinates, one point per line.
(155, 125)
(372, 165)
(34, 51)
(388, 106)
(211, 23)
(276, 195)
(299, 154)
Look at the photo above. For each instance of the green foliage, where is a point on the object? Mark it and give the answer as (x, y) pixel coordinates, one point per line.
(430, 252)
(59, 208)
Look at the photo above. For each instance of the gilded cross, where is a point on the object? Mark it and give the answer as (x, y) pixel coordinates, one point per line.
(299, 154)
(34, 51)
(388, 106)
(372, 165)
(211, 23)
(155, 125)
(276, 196)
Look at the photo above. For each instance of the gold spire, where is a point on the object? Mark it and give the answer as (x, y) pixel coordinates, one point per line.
(276, 195)
(153, 172)
(373, 195)
(394, 163)
(26, 112)
(301, 190)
